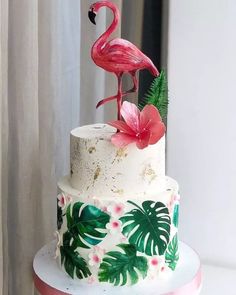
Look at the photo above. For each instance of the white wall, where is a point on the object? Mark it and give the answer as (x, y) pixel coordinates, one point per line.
(202, 123)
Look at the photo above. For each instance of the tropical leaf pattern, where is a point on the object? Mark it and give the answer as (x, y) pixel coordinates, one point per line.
(59, 217)
(148, 227)
(176, 215)
(86, 224)
(73, 263)
(117, 267)
(172, 253)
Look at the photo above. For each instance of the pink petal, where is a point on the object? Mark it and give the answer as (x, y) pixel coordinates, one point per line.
(115, 224)
(149, 116)
(143, 140)
(131, 114)
(122, 126)
(157, 131)
(154, 261)
(121, 139)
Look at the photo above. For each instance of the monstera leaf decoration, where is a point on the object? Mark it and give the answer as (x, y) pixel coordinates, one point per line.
(172, 253)
(148, 227)
(73, 262)
(86, 224)
(117, 267)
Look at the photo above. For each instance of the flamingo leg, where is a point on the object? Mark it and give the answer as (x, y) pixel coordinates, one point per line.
(119, 96)
(135, 81)
(105, 100)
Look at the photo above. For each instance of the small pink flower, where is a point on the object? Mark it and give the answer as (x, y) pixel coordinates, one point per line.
(62, 201)
(116, 209)
(95, 257)
(154, 261)
(114, 226)
(143, 128)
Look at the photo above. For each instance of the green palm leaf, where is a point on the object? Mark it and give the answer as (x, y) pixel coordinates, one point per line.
(117, 267)
(172, 253)
(157, 95)
(73, 262)
(148, 227)
(176, 215)
(87, 224)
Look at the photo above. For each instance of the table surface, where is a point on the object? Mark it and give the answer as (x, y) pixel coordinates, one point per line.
(218, 280)
(186, 273)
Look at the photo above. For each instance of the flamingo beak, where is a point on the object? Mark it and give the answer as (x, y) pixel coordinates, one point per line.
(92, 16)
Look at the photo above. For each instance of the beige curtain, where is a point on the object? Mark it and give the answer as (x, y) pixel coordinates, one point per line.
(48, 85)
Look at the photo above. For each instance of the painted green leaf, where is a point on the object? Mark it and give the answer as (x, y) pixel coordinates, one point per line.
(148, 227)
(176, 215)
(87, 224)
(172, 253)
(59, 217)
(74, 264)
(117, 267)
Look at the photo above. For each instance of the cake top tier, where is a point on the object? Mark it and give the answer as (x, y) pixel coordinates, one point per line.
(99, 131)
(100, 168)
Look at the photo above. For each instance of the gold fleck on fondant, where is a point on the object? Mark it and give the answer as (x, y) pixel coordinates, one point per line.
(118, 191)
(96, 174)
(120, 154)
(92, 149)
(148, 174)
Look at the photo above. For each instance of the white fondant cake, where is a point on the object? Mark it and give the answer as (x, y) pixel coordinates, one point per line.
(117, 211)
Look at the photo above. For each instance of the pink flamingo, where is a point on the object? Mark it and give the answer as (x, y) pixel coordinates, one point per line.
(118, 56)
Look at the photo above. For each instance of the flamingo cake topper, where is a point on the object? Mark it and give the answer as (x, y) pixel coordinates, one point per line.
(118, 56)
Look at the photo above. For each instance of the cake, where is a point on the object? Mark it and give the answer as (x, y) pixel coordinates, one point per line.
(116, 208)
(117, 211)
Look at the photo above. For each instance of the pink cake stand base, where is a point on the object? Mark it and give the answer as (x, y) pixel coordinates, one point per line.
(49, 279)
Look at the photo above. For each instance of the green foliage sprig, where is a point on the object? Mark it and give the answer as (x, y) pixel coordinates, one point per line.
(157, 95)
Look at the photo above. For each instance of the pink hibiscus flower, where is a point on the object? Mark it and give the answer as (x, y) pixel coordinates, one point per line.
(142, 128)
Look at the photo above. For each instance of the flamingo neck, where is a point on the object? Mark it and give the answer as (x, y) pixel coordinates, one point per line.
(103, 38)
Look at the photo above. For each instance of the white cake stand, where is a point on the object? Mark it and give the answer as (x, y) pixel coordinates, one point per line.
(49, 279)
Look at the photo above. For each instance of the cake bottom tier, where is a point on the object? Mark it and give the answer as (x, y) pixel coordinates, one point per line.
(120, 241)
(49, 279)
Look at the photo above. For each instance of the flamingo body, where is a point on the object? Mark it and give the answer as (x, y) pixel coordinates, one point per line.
(121, 56)
(118, 56)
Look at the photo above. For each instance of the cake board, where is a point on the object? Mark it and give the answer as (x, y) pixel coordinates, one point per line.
(49, 279)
